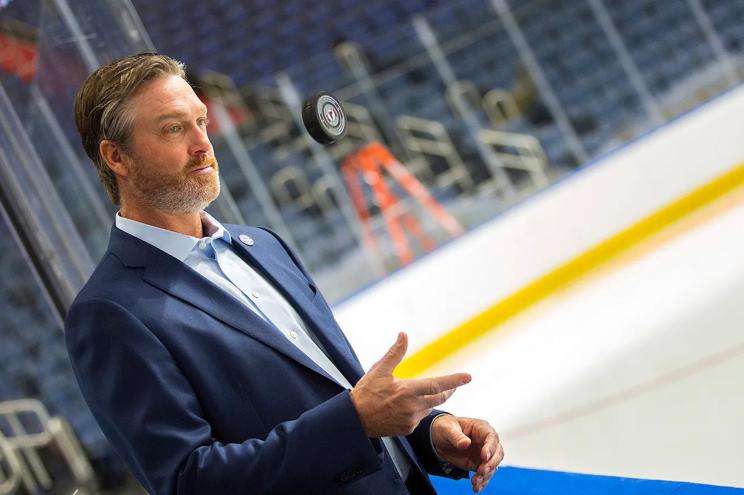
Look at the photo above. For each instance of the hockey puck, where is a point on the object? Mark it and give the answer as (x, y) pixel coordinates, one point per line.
(324, 118)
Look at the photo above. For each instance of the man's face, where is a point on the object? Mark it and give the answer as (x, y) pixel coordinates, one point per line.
(171, 161)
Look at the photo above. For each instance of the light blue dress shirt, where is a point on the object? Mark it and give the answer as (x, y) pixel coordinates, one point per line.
(213, 257)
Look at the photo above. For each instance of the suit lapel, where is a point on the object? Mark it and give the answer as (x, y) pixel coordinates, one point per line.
(300, 293)
(182, 282)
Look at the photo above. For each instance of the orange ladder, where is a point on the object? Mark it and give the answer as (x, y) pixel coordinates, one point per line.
(370, 163)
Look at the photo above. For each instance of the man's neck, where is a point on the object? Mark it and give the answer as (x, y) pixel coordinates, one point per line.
(183, 223)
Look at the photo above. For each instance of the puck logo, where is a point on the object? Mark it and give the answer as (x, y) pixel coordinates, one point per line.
(331, 115)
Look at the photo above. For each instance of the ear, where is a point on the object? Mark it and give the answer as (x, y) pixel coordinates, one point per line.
(114, 157)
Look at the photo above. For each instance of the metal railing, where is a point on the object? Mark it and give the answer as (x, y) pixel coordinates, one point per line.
(27, 430)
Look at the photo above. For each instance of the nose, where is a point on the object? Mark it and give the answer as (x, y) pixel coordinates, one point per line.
(200, 143)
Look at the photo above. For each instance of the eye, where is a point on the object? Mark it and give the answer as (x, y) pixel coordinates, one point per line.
(203, 121)
(174, 129)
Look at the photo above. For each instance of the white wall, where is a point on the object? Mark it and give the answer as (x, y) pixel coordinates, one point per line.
(472, 273)
(635, 370)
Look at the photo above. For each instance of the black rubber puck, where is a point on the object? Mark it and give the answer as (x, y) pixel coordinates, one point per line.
(324, 118)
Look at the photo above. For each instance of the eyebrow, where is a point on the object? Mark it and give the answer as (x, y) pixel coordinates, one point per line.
(177, 114)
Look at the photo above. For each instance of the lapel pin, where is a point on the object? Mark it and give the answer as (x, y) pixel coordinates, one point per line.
(247, 240)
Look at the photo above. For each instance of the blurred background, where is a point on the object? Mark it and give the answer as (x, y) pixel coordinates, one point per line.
(574, 243)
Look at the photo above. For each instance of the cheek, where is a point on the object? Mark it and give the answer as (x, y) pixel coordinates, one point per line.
(169, 156)
(164, 157)
(163, 163)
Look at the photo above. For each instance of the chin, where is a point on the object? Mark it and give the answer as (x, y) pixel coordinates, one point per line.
(208, 199)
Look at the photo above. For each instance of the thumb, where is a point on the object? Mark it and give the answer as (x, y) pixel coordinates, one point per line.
(456, 438)
(393, 356)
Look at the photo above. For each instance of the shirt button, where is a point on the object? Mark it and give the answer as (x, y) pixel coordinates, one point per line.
(254, 294)
(293, 334)
(202, 244)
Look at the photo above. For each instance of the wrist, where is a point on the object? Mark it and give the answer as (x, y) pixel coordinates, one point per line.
(431, 435)
(357, 402)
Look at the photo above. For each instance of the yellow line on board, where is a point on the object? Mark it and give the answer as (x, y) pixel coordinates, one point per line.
(483, 323)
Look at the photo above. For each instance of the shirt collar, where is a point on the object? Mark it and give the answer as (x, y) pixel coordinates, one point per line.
(177, 245)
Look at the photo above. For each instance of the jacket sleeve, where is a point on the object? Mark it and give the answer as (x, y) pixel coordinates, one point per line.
(149, 412)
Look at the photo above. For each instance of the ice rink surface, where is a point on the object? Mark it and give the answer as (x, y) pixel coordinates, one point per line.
(636, 370)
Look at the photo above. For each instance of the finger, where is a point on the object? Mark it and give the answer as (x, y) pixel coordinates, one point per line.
(490, 445)
(437, 399)
(498, 458)
(393, 356)
(490, 467)
(485, 437)
(489, 475)
(477, 482)
(439, 384)
(483, 483)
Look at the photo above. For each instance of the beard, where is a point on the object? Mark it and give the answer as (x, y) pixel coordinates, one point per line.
(179, 192)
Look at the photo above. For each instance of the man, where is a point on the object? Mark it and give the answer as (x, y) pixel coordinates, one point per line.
(206, 353)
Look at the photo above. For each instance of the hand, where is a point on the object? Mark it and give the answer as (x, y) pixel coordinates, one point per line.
(470, 444)
(391, 407)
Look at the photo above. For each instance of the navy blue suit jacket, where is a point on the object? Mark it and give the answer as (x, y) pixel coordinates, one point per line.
(201, 396)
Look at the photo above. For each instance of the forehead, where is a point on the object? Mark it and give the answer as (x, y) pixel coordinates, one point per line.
(163, 95)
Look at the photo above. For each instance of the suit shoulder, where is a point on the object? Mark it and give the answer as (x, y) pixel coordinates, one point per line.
(109, 281)
(106, 304)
